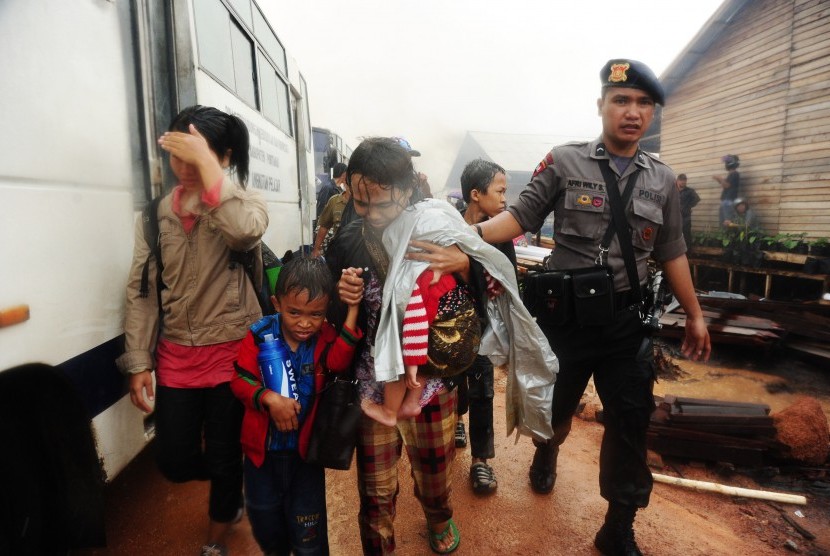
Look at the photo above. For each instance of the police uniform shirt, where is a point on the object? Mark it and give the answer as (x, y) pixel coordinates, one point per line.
(569, 182)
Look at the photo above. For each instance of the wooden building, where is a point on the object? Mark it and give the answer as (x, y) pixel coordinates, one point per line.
(755, 82)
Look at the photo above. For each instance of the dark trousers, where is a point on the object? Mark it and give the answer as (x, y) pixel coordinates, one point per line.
(622, 366)
(187, 419)
(286, 501)
(687, 232)
(475, 392)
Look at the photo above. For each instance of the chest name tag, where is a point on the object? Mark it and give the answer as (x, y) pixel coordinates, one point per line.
(577, 183)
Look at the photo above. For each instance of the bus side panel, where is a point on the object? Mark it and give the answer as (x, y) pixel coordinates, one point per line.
(68, 251)
(70, 160)
(68, 94)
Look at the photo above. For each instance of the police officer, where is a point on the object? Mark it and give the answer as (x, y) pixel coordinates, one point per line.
(570, 183)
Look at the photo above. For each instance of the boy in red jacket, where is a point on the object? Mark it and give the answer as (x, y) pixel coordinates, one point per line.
(285, 496)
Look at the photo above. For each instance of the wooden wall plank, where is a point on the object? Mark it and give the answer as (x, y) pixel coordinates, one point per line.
(777, 118)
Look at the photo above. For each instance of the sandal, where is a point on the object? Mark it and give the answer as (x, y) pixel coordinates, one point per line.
(436, 538)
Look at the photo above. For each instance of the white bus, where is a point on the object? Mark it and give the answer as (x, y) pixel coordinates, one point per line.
(86, 88)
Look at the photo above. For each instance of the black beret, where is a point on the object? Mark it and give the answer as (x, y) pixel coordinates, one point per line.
(634, 75)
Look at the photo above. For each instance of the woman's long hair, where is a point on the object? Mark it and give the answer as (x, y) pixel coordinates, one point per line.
(385, 162)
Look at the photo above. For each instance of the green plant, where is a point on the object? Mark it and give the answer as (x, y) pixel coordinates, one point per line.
(788, 241)
(700, 238)
(750, 237)
(820, 247)
(726, 236)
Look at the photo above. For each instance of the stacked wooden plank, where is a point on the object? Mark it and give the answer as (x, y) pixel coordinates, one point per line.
(726, 326)
(801, 326)
(713, 430)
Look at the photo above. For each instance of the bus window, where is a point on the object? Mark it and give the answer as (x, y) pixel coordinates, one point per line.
(243, 10)
(304, 92)
(243, 66)
(284, 107)
(214, 40)
(217, 34)
(274, 92)
(269, 41)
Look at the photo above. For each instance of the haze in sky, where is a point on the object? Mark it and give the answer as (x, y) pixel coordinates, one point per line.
(431, 70)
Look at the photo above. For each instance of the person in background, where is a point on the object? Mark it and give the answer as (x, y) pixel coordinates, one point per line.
(742, 216)
(483, 188)
(731, 184)
(190, 330)
(329, 219)
(329, 187)
(286, 497)
(423, 185)
(570, 181)
(423, 182)
(688, 200)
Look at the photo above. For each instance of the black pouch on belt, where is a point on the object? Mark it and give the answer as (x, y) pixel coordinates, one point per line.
(547, 296)
(593, 295)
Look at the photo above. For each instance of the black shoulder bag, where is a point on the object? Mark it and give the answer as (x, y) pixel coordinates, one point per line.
(334, 429)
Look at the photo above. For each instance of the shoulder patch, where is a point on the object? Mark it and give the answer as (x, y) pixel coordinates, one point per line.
(547, 161)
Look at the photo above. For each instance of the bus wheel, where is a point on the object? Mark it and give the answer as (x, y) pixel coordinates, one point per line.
(50, 477)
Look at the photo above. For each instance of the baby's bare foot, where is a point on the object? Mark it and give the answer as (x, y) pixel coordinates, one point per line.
(379, 413)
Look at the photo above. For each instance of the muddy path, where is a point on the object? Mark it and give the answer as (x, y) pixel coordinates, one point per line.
(150, 516)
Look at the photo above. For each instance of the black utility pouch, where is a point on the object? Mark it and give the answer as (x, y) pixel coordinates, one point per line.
(593, 295)
(547, 296)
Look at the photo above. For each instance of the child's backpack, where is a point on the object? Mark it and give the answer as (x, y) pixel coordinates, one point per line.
(263, 285)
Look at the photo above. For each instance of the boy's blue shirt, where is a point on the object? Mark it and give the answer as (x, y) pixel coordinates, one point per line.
(303, 362)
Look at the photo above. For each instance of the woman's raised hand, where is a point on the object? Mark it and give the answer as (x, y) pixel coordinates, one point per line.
(192, 148)
(442, 260)
(189, 147)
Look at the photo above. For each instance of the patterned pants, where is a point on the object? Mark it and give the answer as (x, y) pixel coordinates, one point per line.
(430, 444)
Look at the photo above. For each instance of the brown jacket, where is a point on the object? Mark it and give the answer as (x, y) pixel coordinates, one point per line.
(205, 301)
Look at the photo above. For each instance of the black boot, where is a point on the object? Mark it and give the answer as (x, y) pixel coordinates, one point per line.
(543, 469)
(616, 536)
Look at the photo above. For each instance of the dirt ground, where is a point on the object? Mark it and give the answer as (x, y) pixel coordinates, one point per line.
(147, 515)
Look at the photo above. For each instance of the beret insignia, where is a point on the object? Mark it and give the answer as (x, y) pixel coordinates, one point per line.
(618, 74)
(547, 161)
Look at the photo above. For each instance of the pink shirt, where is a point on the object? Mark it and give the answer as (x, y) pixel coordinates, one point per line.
(210, 198)
(179, 366)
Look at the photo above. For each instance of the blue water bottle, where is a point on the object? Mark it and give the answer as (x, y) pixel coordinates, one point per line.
(271, 361)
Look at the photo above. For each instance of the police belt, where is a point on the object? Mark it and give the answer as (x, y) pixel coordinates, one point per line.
(557, 298)
(628, 300)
